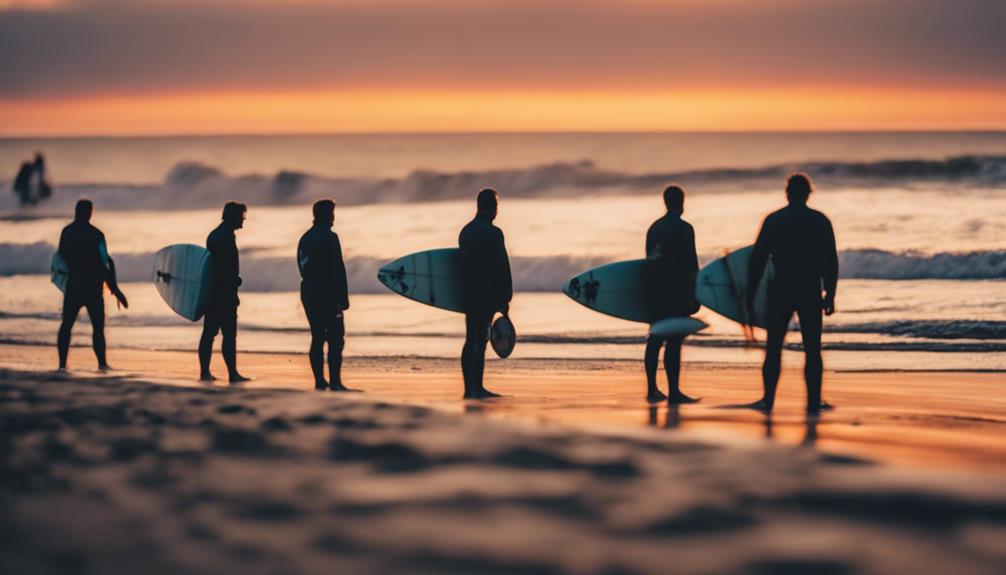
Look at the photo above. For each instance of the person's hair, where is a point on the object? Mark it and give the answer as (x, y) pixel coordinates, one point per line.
(487, 200)
(324, 211)
(674, 198)
(83, 210)
(798, 187)
(233, 211)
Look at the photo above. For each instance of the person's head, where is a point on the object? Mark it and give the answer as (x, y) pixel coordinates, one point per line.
(82, 212)
(234, 214)
(38, 156)
(674, 199)
(798, 188)
(487, 202)
(324, 212)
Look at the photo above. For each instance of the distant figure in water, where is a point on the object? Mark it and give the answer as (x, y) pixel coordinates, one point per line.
(85, 252)
(22, 183)
(42, 189)
(324, 292)
(801, 243)
(487, 287)
(222, 312)
(670, 279)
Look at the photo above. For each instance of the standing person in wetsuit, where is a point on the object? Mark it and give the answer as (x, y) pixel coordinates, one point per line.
(222, 312)
(324, 292)
(83, 248)
(801, 243)
(486, 288)
(670, 291)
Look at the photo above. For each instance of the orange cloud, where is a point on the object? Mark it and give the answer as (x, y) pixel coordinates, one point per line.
(416, 110)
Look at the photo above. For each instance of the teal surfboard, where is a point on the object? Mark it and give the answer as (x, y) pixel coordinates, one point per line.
(431, 277)
(183, 276)
(617, 289)
(722, 287)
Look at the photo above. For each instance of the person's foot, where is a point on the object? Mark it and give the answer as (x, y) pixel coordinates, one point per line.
(337, 386)
(321, 385)
(207, 377)
(823, 406)
(678, 398)
(483, 394)
(655, 396)
(238, 378)
(104, 368)
(760, 406)
(61, 369)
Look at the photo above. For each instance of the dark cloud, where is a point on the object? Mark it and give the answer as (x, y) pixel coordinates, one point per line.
(114, 48)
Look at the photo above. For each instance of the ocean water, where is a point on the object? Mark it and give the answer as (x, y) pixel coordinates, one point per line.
(920, 220)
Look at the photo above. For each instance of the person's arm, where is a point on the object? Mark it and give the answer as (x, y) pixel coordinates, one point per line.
(506, 280)
(691, 267)
(237, 261)
(339, 270)
(110, 276)
(830, 273)
(62, 244)
(756, 267)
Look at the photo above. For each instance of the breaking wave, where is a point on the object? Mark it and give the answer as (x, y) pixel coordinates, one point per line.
(531, 274)
(193, 185)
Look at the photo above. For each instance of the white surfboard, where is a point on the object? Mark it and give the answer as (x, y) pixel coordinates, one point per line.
(183, 275)
(59, 273)
(722, 287)
(617, 289)
(677, 326)
(432, 277)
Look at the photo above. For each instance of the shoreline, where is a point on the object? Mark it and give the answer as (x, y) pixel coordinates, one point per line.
(117, 474)
(919, 420)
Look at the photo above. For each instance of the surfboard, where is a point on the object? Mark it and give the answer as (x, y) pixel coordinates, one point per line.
(59, 273)
(503, 336)
(617, 289)
(183, 275)
(431, 277)
(722, 287)
(675, 326)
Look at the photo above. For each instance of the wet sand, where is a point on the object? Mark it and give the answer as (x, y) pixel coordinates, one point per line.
(145, 470)
(934, 420)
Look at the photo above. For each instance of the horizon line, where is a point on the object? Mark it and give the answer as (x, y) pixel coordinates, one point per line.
(167, 135)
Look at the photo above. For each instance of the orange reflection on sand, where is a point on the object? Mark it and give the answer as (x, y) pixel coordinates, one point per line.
(463, 110)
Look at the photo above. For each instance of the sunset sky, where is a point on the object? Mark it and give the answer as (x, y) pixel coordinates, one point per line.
(262, 66)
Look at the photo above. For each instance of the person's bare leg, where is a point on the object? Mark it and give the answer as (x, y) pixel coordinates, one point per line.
(650, 358)
(229, 347)
(813, 369)
(211, 325)
(672, 366)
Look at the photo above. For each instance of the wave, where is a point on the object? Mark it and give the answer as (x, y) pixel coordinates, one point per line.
(911, 265)
(193, 184)
(928, 329)
(531, 274)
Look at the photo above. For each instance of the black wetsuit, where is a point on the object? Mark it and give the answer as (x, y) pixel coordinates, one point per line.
(222, 311)
(670, 281)
(801, 243)
(324, 291)
(487, 287)
(83, 248)
(22, 183)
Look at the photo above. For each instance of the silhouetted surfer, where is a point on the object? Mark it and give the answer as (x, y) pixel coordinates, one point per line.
(22, 183)
(222, 312)
(324, 292)
(670, 291)
(486, 288)
(83, 248)
(801, 243)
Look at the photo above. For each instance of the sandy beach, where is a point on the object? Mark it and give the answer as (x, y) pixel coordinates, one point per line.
(145, 470)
